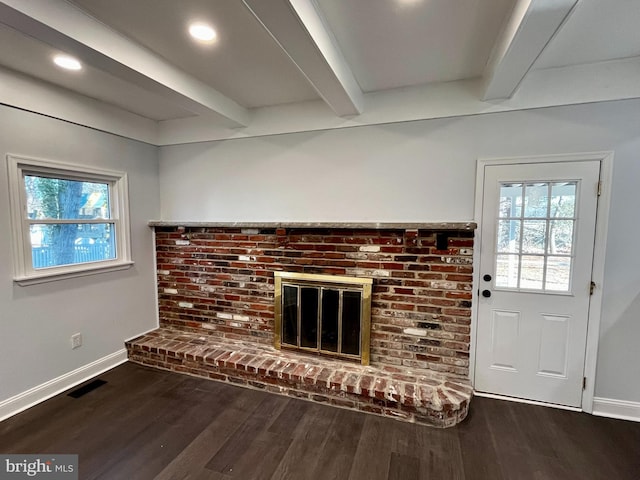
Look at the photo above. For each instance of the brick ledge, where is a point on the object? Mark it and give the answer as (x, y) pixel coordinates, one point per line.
(427, 398)
(321, 225)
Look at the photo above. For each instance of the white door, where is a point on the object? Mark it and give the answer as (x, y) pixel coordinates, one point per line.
(538, 228)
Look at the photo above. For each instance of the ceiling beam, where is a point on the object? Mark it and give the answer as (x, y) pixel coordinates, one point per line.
(298, 27)
(525, 35)
(65, 27)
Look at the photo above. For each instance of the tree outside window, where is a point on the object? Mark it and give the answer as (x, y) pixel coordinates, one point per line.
(54, 244)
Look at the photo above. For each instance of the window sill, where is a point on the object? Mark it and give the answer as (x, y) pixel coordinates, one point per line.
(44, 277)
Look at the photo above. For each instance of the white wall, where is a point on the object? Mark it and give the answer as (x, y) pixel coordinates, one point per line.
(37, 321)
(423, 171)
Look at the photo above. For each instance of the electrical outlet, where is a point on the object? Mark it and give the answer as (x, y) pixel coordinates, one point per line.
(76, 340)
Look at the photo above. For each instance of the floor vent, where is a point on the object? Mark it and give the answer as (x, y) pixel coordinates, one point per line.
(83, 390)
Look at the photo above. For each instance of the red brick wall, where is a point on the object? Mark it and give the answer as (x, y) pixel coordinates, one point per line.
(220, 281)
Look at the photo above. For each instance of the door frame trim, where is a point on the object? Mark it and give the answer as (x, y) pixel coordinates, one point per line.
(597, 275)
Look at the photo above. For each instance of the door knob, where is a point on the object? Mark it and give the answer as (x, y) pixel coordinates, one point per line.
(486, 293)
(486, 277)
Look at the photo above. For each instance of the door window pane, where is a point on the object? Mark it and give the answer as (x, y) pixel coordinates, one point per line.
(536, 200)
(563, 199)
(508, 236)
(510, 200)
(507, 271)
(558, 274)
(561, 237)
(532, 272)
(534, 236)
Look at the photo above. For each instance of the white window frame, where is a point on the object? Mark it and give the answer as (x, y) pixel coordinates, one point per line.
(24, 273)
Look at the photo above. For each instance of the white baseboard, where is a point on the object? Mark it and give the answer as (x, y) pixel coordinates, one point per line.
(35, 395)
(622, 409)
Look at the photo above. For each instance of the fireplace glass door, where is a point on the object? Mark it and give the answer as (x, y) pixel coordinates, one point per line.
(327, 317)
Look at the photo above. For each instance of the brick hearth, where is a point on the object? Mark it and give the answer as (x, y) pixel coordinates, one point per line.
(428, 398)
(215, 289)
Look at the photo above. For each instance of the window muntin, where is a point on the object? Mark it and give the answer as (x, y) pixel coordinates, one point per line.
(535, 236)
(67, 220)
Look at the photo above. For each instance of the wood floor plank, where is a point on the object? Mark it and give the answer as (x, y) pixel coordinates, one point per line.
(439, 452)
(534, 428)
(595, 446)
(266, 451)
(241, 441)
(168, 435)
(340, 445)
(149, 424)
(198, 453)
(622, 446)
(519, 423)
(270, 446)
(404, 467)
(121, 429)
(373, 454)
(521, 466)
(67, 416)
(301, 459)
(206, 474)
(290, 417)
(478, 451)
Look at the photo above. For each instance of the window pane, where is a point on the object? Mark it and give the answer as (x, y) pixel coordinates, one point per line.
(536, 200)
(508, 236)
(53, 245)
(563, 199)
(507, 271)
(510, 200)
(534, 236)
(558, 274)
(61, 199)
(560, 237)
(531, 273)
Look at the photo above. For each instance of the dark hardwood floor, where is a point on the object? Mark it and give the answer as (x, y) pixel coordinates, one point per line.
(145, 424)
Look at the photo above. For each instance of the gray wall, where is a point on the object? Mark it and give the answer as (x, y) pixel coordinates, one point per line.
(424, 171)
(37, 321)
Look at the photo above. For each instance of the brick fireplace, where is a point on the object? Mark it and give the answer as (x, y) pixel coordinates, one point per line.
(216, 294)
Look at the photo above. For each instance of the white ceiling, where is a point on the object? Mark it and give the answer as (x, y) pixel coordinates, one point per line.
(597, 31)
(245, 64)
(351, 56)
(391, 44)
(34, 58)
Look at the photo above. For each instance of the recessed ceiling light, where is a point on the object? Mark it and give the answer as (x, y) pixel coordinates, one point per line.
(203, 32)
(67, 62)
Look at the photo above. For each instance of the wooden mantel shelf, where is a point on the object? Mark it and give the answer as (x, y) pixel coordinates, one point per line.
(353, 225)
